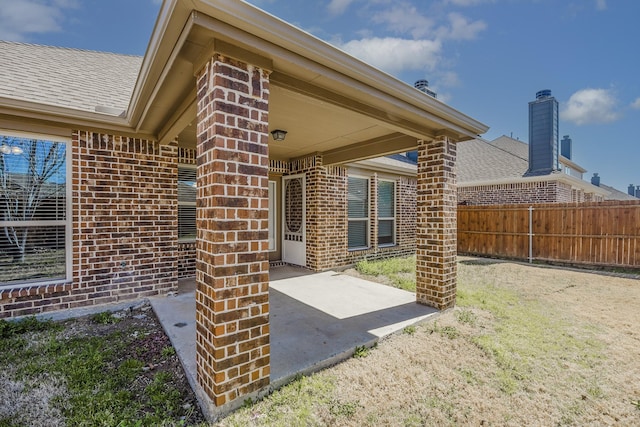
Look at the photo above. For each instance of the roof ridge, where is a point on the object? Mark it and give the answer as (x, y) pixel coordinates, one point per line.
(75, 49)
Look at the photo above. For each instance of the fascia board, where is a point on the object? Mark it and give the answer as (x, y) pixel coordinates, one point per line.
(163, 23)
(64, 116)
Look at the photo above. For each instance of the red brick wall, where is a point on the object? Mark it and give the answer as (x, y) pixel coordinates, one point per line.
(124, 227)
(406, 205)
(232, 266)
(327, 218)
(186, 259)
(326, 225)
(326, 221)
(516, 193)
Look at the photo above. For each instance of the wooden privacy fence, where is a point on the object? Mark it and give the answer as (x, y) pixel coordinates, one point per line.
(599, 234)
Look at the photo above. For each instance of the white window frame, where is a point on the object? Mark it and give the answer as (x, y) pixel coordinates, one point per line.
(273, 224)
(67, 222)
(366, 220)
(395, 213)
(187, 239)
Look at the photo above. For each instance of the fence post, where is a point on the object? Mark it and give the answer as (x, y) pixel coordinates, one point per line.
(530, 234)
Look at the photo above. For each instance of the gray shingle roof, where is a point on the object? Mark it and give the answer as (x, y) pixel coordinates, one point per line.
(615, 194)
(513, 146)
(480, 160)
(72, 78)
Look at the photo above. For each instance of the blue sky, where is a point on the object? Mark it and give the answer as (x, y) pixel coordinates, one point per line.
(486, 58)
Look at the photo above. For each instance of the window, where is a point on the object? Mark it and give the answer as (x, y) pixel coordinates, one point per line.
(358, 208)
(186, 202)
(35, 224)
(386, 213)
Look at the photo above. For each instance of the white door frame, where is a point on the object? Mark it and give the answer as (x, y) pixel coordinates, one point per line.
(294, 241)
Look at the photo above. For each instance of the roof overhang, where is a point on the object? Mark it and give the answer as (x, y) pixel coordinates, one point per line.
(328, 101)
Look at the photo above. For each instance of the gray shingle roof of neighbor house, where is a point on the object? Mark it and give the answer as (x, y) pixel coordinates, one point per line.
(72, 78)
(513, 146)
(615, 194)
(481, 160)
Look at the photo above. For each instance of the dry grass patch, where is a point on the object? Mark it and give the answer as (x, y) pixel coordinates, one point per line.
(526, 345)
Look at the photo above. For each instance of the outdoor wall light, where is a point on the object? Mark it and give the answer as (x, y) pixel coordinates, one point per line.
(278, 134)
(10, 149)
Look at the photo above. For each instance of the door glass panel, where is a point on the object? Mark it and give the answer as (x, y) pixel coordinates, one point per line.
(293, 206)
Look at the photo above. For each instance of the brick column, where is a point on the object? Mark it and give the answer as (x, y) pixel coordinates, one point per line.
(232, 266)
(436, 224)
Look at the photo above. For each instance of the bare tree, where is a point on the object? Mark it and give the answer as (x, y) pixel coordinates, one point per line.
(24, 188)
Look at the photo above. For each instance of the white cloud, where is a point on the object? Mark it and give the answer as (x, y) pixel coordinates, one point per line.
(18, 19)
(591, 106)
(636, 104)
(405, 18)
(338, 7)
(460, 28)
(449, 79)
(393, 55)
(419, 33)
(601, 4)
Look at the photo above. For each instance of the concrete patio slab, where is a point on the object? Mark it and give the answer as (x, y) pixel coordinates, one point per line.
(316, 319)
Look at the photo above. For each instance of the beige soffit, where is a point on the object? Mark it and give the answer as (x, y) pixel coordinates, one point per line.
(286, 44)
(388, 165)
(558, 176)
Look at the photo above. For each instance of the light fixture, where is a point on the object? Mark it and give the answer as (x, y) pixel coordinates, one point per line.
(10, 149)
(278, 134)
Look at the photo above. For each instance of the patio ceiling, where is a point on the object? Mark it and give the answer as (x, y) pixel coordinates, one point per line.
(314, 126)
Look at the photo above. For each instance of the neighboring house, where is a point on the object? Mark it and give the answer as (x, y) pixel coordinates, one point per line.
(494, 172)
(196, 115)
(506, 170)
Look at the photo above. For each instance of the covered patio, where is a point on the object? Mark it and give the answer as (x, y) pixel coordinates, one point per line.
(316, 320)
(219, 77)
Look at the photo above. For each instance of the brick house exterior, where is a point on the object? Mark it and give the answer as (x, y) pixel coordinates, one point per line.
(217, 78)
